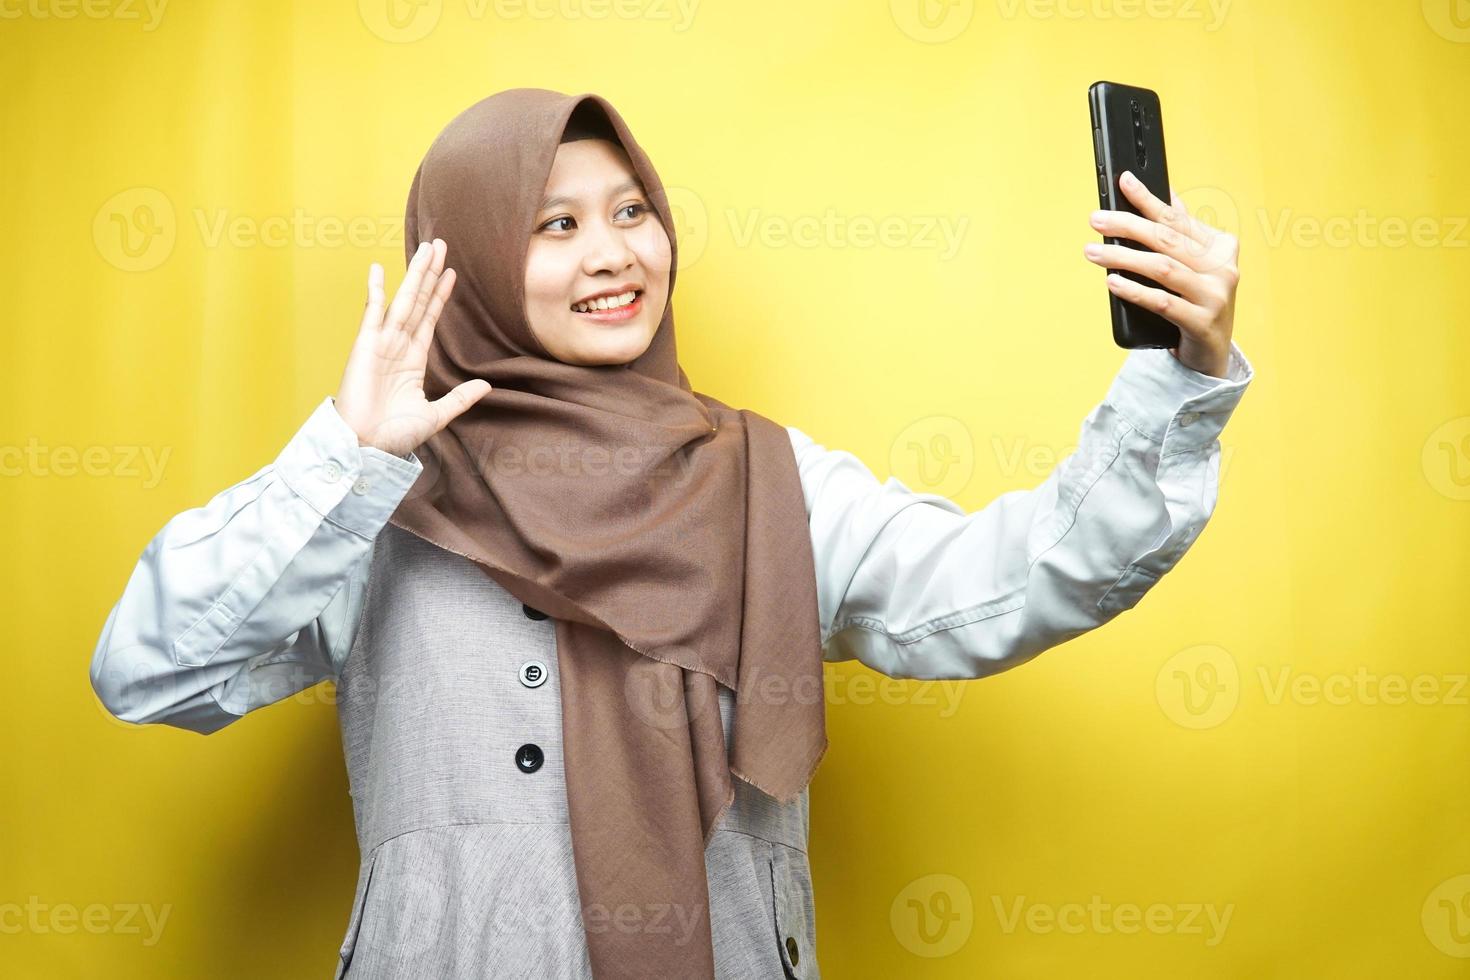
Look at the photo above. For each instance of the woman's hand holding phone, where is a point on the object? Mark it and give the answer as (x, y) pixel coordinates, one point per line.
(381, 395)
(1198, 262)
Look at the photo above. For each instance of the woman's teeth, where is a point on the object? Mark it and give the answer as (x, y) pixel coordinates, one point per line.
(606, 302)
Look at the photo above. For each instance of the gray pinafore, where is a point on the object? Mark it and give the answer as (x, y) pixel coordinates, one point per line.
(451, 731)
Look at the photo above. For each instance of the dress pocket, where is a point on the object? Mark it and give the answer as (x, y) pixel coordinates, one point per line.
(791, 887)
(354, 921)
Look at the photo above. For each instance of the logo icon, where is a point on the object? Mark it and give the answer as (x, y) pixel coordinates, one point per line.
(135, 229)
(400, 21)
(691, 224)
(1446, 917)
(933, 916)
(1450, 19)
(932, 21)
(1198, 687)
(934, 454)
(1446, 458)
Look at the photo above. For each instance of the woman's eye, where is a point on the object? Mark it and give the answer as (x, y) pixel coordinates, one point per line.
(637, 206)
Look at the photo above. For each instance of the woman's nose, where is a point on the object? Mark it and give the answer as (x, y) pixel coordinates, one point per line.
(607, 249)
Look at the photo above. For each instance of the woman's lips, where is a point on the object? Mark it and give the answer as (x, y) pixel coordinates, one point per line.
(620, 315)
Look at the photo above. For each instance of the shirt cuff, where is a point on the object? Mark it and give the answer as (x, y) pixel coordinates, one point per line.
(353, 485)
(1165, 399)
(379, 488)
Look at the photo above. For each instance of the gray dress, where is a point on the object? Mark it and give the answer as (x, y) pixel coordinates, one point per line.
(466, 864)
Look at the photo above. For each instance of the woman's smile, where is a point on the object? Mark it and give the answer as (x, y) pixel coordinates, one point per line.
(619, 307)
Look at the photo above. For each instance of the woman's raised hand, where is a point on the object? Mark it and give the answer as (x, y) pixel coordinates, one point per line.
(1199, 263)
(381, 395)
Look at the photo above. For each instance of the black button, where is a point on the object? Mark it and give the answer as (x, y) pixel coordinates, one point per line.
(532, 613)
(529, 757)
(791, 949)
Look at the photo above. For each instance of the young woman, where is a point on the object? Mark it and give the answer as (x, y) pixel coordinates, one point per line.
(576, 612)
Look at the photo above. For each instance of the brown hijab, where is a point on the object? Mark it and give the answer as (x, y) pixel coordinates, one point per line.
(663, 530)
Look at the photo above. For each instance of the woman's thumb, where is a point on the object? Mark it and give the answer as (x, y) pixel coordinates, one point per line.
(460, 398)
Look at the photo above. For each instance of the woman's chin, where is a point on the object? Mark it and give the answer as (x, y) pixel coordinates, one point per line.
(608, 344)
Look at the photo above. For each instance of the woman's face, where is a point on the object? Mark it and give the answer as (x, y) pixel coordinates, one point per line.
(596, 237)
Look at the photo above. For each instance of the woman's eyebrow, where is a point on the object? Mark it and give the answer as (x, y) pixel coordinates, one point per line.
(551, 202)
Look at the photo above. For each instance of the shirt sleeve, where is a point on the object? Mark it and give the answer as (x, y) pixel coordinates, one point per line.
(913, 586)
(253, 596)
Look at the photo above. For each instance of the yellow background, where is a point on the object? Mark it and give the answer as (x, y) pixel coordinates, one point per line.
(1333, 828)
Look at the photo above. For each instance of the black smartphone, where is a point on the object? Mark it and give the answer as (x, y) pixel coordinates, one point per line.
(1128, 134)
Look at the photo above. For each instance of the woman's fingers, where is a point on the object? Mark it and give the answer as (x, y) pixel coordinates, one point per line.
(1165, 270)
(1171, 217)
(1198, 230)
(372, 310)
(427, 282)
(1161, 238)
(1177, 310)
(1175, 230)
(423, 331)
(403, 300)
(1170, 229)
(1150, 234)
(1197, 265)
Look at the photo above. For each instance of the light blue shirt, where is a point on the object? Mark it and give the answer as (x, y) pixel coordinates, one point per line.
(257, 594)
